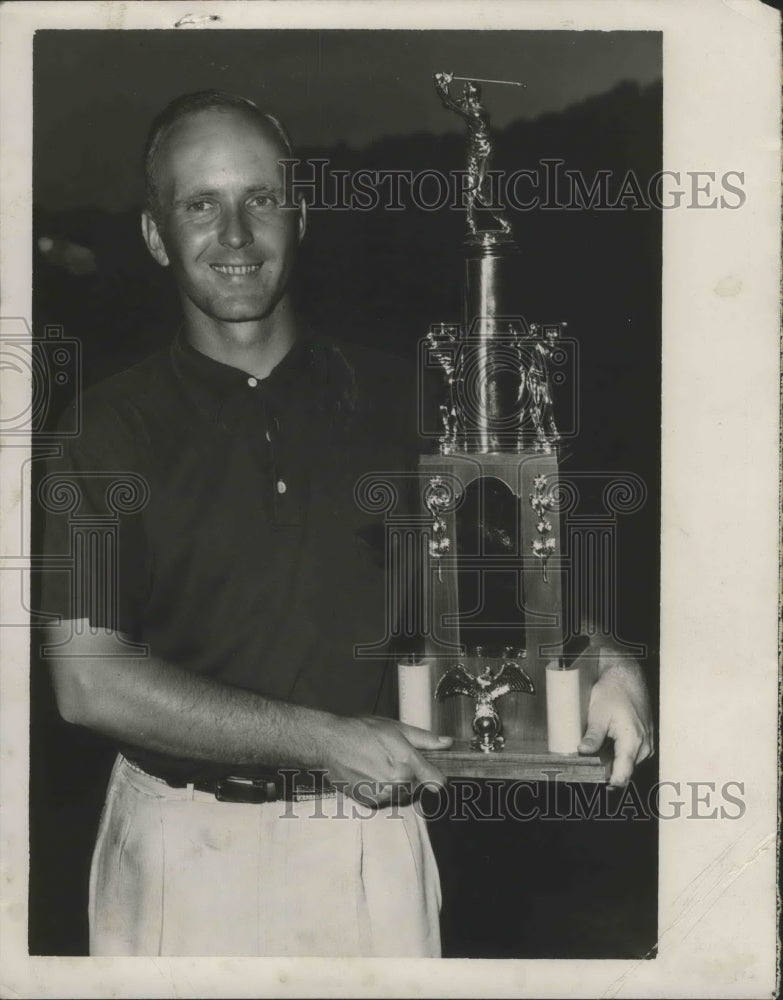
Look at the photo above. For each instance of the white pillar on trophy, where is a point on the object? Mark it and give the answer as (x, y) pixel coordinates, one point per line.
(414, 684)
(566, 708)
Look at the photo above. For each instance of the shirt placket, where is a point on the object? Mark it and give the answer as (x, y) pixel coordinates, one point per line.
(287, 481)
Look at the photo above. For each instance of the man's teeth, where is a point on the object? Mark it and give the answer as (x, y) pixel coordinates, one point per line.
(236, 268)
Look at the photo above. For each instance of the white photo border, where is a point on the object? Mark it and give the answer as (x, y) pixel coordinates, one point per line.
(720, 454)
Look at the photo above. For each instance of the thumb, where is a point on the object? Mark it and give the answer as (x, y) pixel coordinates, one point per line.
(593, 739)
(424, 739)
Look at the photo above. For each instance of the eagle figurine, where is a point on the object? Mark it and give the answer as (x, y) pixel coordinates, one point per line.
(486, 688)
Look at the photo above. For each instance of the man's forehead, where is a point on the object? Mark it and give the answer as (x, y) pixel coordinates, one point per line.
(218, 137)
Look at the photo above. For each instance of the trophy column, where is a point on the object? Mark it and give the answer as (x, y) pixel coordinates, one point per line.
(500, 602)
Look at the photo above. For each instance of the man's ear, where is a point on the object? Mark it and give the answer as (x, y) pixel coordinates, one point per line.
(153, 239)
(302, 224)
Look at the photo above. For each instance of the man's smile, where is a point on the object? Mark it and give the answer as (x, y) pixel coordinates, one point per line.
(236, 270)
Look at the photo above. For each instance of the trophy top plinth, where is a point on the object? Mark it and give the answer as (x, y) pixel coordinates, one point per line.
(491, 242)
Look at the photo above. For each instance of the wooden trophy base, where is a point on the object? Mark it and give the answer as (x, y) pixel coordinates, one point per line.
(519, 760)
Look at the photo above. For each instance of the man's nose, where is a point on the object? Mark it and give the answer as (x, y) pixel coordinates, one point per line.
(234, 229)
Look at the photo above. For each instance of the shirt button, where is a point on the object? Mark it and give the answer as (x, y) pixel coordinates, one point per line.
(252, 382)
(281, 486)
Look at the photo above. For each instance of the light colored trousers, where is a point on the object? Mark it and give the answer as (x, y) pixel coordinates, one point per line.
(175, 872)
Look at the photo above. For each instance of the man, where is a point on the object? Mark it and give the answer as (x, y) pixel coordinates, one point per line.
(249, 574)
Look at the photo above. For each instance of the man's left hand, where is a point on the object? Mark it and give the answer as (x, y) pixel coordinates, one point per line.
(619, 710)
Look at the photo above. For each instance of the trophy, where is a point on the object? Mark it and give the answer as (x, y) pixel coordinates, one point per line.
(491, 498)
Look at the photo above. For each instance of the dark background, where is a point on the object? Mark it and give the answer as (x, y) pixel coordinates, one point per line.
(365, 99)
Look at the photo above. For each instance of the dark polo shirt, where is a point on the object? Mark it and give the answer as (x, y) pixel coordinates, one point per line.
(250, 560)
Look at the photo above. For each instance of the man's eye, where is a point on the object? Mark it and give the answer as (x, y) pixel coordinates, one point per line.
(263, 201)
(199, 206)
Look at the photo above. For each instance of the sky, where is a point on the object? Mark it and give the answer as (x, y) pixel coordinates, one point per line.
(95, 92)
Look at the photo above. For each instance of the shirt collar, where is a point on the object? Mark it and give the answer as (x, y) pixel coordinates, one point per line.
(211, 382)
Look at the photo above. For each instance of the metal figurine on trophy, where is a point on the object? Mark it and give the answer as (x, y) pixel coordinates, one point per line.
(470, 108)
(491, 497)
(485, 690)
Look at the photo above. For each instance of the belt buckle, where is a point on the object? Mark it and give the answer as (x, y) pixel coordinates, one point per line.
(253, 791)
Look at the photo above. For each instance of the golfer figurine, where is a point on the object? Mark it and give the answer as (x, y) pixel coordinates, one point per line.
(476, 117)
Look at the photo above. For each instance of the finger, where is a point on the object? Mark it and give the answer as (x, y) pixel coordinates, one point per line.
(594, 737)
(365, 792)
(424, 739)
(645, 751)
(377, 793)
(597, 725)
(626, 748)
(425, 772)
(388, 791)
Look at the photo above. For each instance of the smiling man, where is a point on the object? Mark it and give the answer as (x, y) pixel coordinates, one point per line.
(248, 578)
(221, 224)
(220, 647)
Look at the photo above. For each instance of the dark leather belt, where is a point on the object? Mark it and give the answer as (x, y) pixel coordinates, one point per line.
(283, 785)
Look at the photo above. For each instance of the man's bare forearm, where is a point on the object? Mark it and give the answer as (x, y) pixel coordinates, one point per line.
(148, 702)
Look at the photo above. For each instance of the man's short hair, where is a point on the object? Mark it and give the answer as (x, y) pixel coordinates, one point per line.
(187, 104)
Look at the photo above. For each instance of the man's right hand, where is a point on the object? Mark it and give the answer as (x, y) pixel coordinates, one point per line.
(378, 759)
(104, 682)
